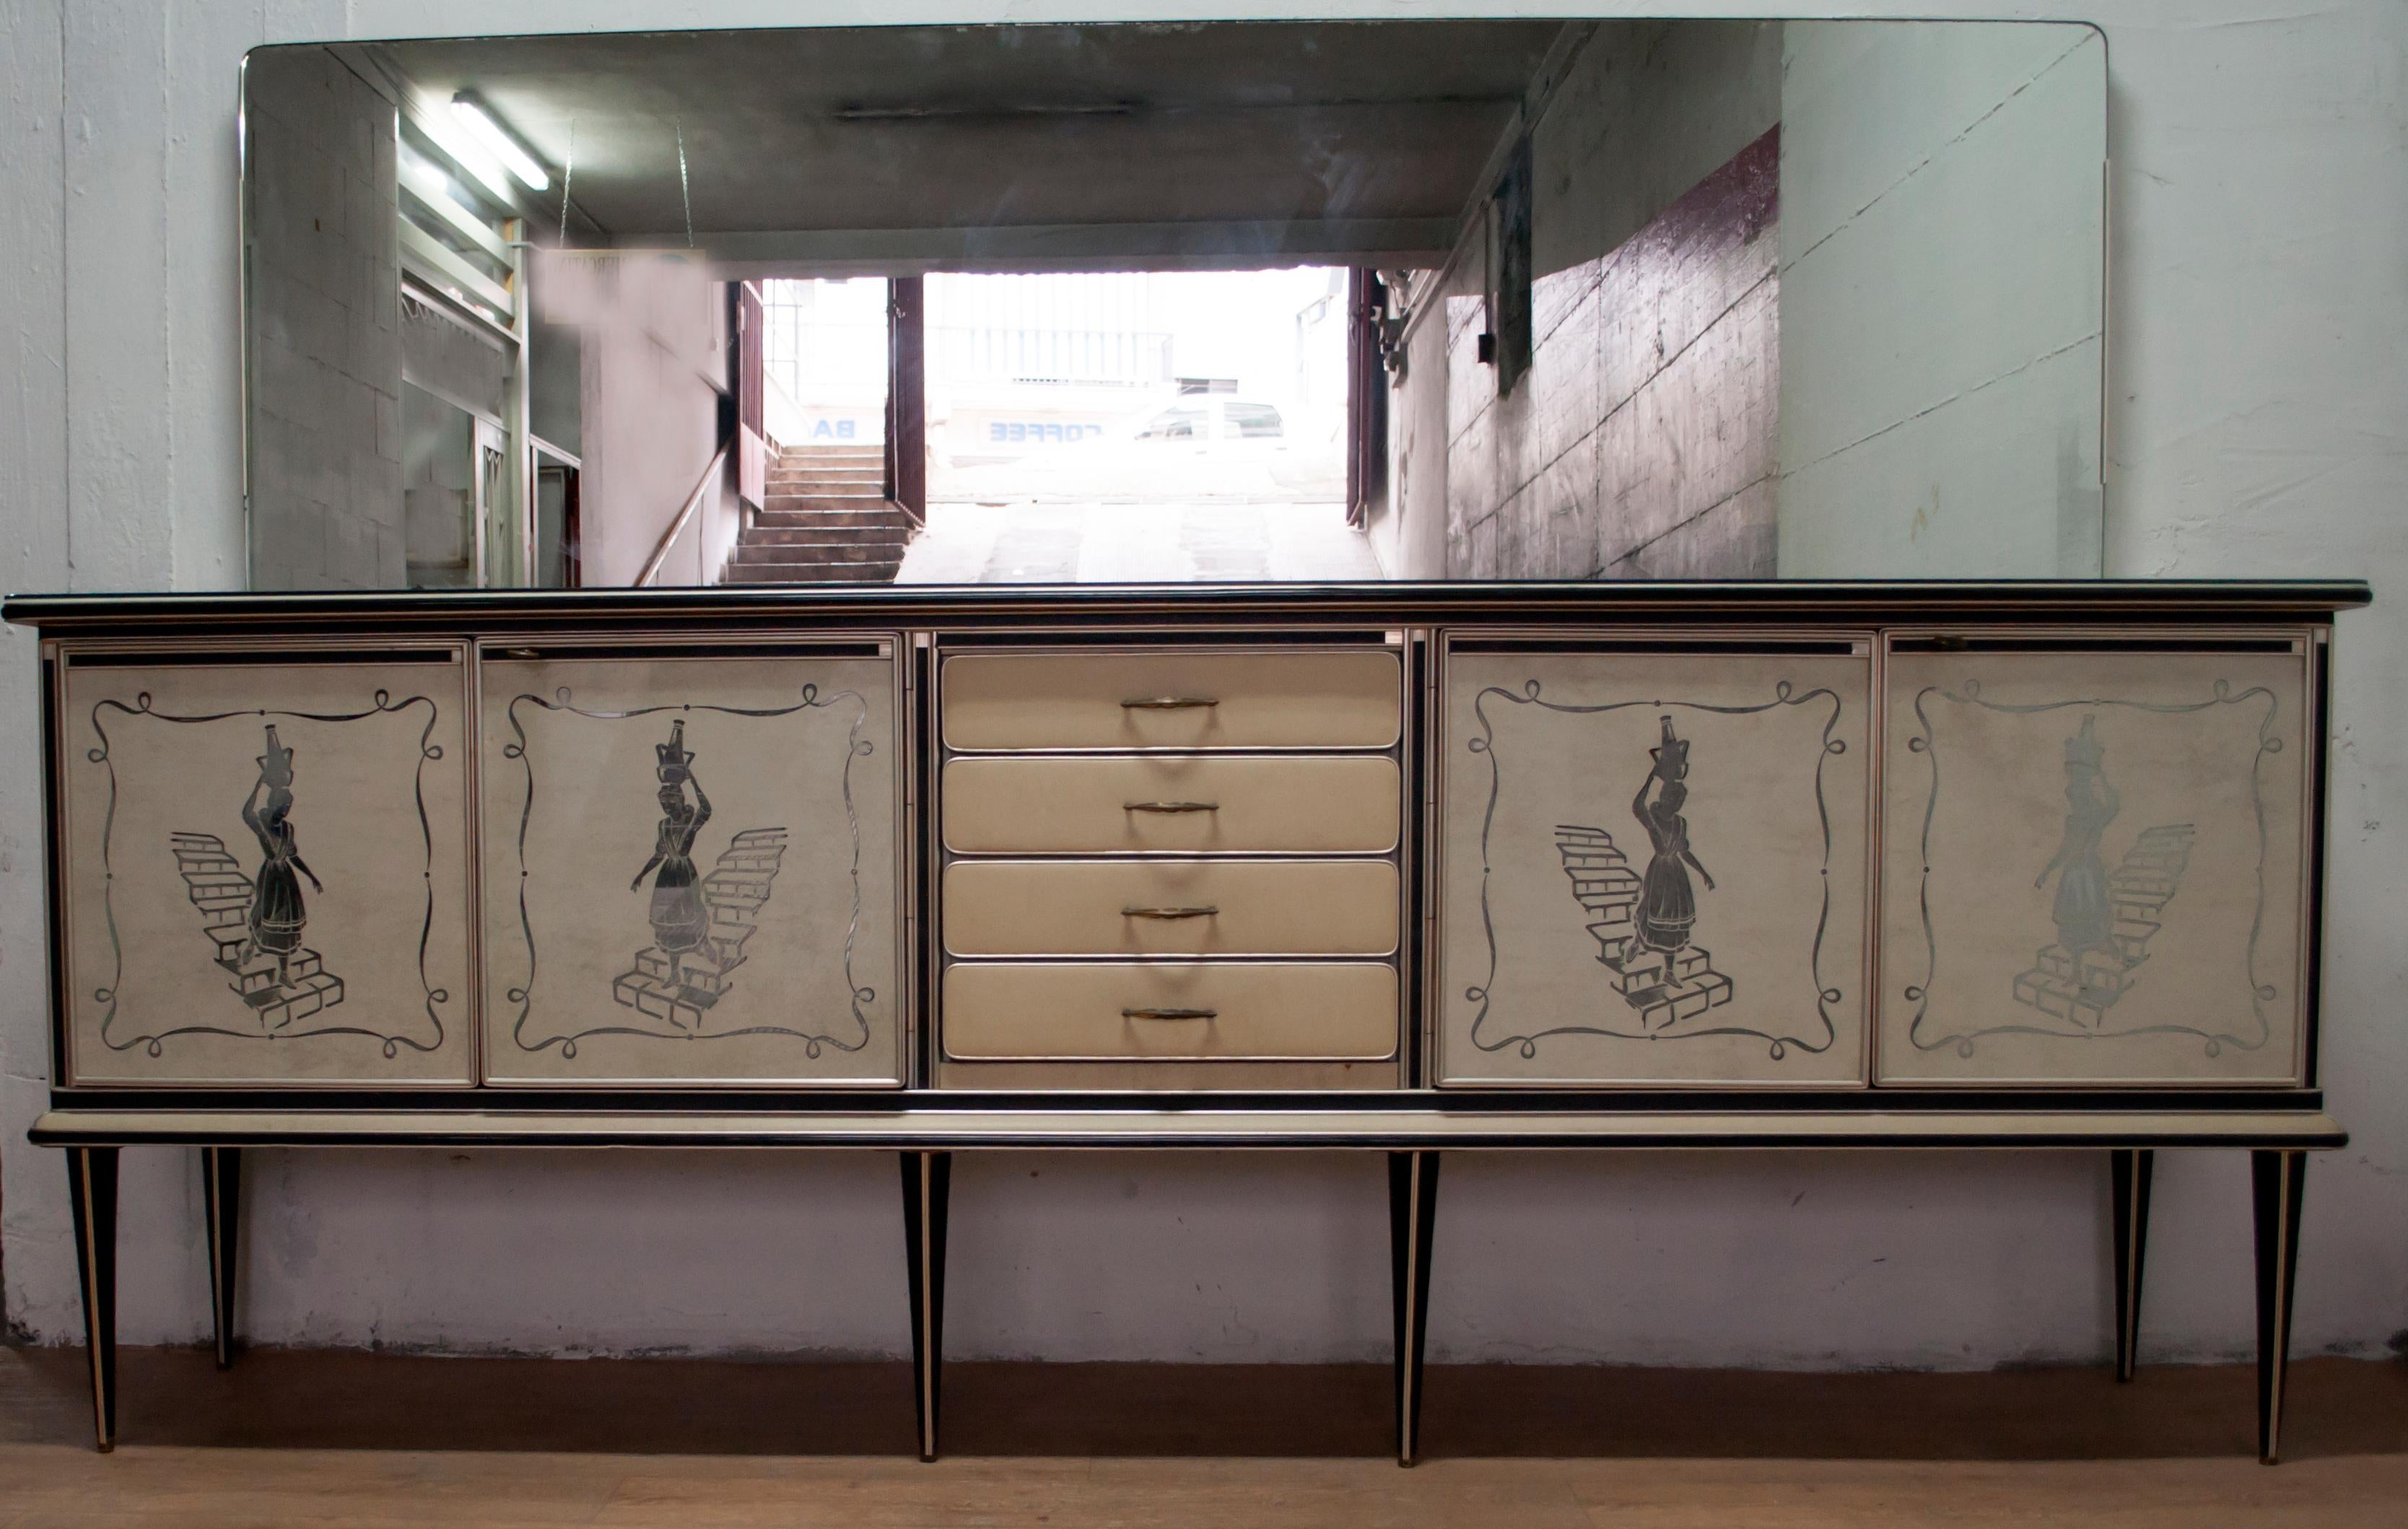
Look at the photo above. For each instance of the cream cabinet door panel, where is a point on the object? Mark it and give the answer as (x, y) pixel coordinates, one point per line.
(267, 872)
(691, 869)
(1653, 868)
(1184, 697)
(2093, 868)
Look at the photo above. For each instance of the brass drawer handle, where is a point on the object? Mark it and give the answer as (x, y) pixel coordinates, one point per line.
(1206, 911)
(1171, 1013)
(1170, 806)
(1168, 703)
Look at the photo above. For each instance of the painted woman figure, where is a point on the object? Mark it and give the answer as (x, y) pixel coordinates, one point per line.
(2083, 916)
(277, 914)
(1668, 904)
(680, 920)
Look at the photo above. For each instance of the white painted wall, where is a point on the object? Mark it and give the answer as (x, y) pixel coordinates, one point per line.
(2259, 425)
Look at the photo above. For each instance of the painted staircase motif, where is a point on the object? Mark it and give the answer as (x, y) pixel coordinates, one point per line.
(2080, 987)
(683, 988)
(1663, 986)
(215, 881)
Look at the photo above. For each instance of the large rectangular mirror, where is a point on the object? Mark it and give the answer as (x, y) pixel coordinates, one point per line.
(1628, 298)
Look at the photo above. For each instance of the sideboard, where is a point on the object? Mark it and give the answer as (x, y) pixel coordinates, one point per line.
(1405, 868)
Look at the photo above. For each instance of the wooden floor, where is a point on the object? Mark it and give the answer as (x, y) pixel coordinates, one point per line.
(355, 1439)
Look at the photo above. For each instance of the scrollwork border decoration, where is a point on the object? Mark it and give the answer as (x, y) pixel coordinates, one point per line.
(1924, 742)
(857, 746)
(153, 1042)
(1825, 994)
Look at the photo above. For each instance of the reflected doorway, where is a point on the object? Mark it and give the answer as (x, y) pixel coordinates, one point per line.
(833, 497)
(1138, 426)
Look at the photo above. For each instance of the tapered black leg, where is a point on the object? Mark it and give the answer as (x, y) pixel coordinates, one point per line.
(926, 1179)
(1413, 1207)
(92, 1190)
(2277, 1178)
(2129, 1172)
(222, 1197)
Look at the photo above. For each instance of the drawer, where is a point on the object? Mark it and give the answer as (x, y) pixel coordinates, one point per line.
(1183, 803)
(1200, 1010)
(1335, 698)
(1171, 907)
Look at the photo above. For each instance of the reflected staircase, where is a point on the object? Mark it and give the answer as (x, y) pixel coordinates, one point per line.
(824, 518)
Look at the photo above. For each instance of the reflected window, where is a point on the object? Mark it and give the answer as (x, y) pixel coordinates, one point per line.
(1175, 425)
(1254, 421)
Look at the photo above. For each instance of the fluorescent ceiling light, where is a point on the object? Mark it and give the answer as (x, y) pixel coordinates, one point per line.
(488, 133)
(451, 139)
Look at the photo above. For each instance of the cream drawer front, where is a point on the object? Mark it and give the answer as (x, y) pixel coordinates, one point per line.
(1296, 699)
(1194, 804)
(2094, 867)
(1205, 907)
(1169, 1011)
(691, 869)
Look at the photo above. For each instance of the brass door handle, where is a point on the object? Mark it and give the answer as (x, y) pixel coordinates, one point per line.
(1171, 1013)
(1206, 911)
(1168, 703)
(1170, 806)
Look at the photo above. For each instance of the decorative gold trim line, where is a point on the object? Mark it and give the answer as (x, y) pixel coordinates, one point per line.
(2285, 1255)
(1405, 1441)
(92, 1314)
(929, 1296)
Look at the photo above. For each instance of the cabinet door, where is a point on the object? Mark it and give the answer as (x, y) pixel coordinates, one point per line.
(2093, 866)
(267, 869)
(1653, 864)
(690, 868)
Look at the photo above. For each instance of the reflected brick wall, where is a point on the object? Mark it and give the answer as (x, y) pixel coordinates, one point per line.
(325, 304)
(1642, 444)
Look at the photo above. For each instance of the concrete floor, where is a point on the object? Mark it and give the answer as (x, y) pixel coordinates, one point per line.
(1136, 543)
(347, 1439)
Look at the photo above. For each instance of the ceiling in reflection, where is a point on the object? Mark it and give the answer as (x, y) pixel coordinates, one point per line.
(1012, 127)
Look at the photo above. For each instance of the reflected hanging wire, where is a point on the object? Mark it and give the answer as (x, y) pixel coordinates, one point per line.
(684, 190)
(567, 173)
